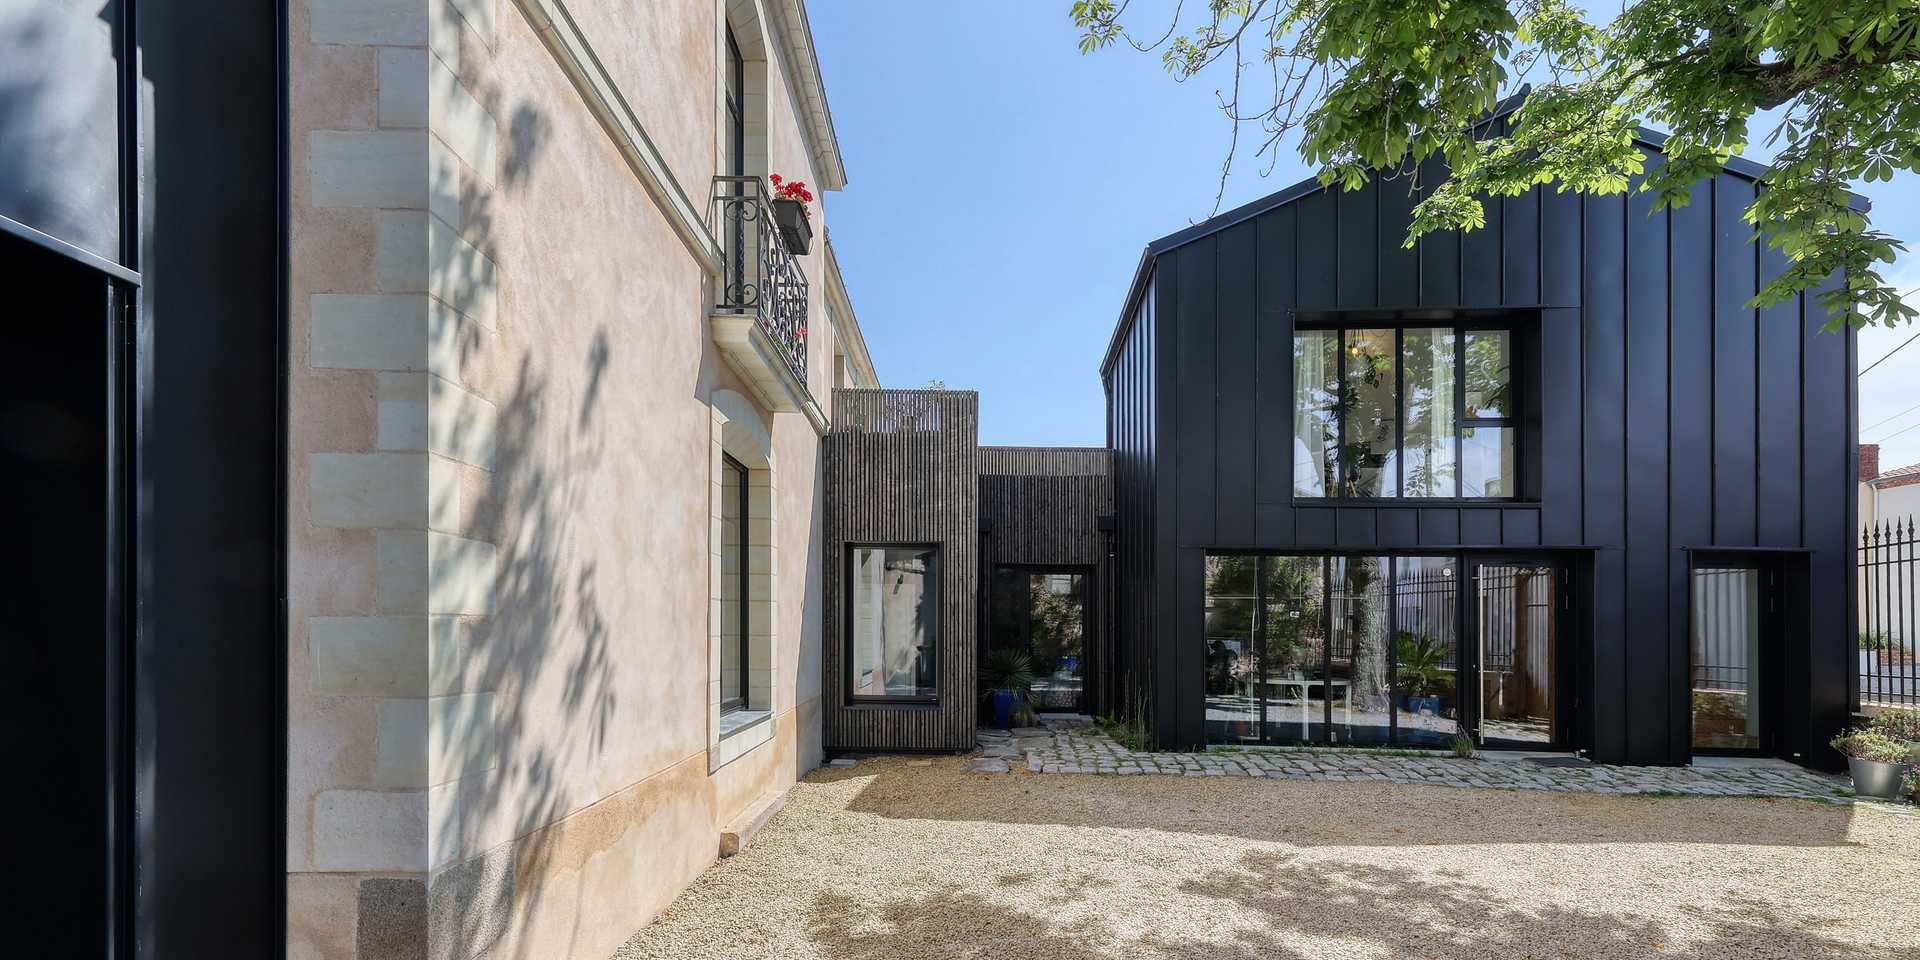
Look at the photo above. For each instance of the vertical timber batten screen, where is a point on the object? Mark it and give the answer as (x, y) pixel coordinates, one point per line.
(1043, 506)
(903, 467)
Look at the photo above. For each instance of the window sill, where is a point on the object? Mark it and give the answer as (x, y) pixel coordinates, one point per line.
(753, 731)
(739, 721)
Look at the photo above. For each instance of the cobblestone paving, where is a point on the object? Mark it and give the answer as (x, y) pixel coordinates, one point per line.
(1078, 746)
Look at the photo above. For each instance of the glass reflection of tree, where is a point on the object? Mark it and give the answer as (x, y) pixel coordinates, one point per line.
(1056, 625)
(1365, 640)
(1230, 581)
(1489, 375)
(1317, 398)
(1369, 413)
(1427, 441)
(1291, 638)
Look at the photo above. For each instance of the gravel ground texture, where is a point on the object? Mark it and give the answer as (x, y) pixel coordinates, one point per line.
(901, 859)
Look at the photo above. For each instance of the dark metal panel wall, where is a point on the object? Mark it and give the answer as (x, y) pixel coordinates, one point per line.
(1648, 559)
(1669, 414)
(1690, 429)
(903, 466)
(1603, 427)
(1131, 433)
(210, 741)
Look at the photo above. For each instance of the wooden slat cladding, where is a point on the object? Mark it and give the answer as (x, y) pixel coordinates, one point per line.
(902, 467)
(1043, 507)
(1045, 504)
(1046, 461)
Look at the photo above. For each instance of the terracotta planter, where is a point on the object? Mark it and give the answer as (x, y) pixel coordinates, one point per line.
(796, 229)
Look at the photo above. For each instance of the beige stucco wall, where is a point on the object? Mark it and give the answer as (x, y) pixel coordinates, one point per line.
(500, 506)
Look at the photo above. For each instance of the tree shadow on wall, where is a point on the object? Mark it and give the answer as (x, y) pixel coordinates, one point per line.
(542, 654)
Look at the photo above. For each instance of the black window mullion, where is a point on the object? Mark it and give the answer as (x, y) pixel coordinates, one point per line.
(1399, 412)
(1326, 647)
(1260, 639)
(1340, 413)
(1459, 412)
(1393, 648)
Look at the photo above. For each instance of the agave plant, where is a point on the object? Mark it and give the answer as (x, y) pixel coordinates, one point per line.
(1007, 669)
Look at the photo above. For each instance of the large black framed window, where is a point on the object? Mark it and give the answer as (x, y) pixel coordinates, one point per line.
(893, 622)
(1406, 411)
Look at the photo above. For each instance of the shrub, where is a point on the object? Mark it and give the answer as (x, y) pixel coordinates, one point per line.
(1899, 725)
(1867, 743)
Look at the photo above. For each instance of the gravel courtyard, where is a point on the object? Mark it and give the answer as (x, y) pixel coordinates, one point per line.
(900, 859)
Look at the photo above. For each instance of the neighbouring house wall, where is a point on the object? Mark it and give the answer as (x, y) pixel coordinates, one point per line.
(1670, 414)
(507, 407)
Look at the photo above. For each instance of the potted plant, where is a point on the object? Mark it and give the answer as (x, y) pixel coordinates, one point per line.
(1006, 676)
(1419, 669)
(1901, 725)
(1877, 762)
(790, 214)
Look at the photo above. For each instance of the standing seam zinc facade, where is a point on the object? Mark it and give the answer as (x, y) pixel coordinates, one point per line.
(1672, 417)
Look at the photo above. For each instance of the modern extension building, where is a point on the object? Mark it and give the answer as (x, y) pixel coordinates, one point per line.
(1549, 485)
(461, 503)
(1552, 484)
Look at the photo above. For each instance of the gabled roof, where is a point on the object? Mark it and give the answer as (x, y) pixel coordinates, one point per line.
(1897, 477)
(1645, 136)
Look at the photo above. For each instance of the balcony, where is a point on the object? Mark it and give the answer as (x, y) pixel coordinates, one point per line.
(760, 318)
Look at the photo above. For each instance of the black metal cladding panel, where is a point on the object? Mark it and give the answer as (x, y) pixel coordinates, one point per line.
(903, 466)
(1669, 414)
(1132, 410)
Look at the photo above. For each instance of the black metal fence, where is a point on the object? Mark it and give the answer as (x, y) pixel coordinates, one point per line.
(759, 275)
(1889, 669)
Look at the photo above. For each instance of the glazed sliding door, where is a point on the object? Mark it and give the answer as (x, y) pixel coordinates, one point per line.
(1516, 652)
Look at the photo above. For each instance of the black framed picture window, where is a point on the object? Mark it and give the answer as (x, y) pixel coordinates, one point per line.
(893, 622)
(1405, 411)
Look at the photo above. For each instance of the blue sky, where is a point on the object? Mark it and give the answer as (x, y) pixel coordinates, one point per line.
(1002, 185)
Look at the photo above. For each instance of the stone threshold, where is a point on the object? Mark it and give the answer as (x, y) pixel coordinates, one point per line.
(735, 836)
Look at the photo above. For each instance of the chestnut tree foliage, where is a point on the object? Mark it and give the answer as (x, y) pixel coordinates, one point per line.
(1379, 85)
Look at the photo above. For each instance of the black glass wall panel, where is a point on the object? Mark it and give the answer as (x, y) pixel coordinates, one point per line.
(1353, 649)
(1043, 614)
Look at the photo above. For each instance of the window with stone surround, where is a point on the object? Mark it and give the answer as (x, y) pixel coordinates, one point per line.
(743, 694)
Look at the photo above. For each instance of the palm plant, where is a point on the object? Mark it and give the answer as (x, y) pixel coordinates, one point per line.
(1008, 670)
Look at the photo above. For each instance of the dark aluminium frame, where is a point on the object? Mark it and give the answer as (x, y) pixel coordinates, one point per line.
(745, 700)
(1089, 575)
(1512, 419)
(1466, 645)
(1773, 635)
(134, 904)
(937, 574)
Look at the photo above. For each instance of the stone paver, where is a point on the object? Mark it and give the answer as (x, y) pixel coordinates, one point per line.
(1079, 746)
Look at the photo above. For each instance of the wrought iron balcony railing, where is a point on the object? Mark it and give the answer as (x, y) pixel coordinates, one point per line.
(759, 276)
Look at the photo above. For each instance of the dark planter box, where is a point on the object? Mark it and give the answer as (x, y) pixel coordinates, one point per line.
(791, 217)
